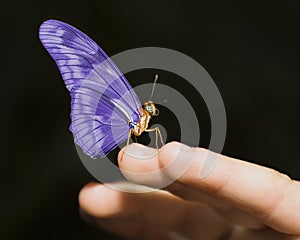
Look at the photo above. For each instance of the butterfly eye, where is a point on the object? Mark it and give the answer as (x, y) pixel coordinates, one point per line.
(156, 112)
(149, 109)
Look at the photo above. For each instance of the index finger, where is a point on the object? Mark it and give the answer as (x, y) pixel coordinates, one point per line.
(265, 193)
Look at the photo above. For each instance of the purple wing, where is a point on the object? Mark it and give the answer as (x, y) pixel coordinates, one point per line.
(102, 99)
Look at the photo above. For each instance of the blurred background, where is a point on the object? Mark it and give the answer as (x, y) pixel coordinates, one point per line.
(250, 48)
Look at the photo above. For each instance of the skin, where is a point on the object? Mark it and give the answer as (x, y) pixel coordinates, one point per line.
(234, 200)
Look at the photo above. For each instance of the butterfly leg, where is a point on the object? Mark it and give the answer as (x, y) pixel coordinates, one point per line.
(128, 138)
(157, 133)
(135, 138)
(160, 136)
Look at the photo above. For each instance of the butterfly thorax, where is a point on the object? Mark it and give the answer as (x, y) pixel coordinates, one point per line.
(146, 112)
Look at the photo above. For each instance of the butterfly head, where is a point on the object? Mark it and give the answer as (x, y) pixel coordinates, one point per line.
(150, 108)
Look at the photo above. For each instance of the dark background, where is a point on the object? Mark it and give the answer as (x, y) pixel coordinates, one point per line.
(250, 48)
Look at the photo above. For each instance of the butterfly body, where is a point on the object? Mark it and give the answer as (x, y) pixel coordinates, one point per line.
(147, 111)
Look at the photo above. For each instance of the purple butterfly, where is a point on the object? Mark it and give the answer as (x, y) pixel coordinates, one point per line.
(105, 110)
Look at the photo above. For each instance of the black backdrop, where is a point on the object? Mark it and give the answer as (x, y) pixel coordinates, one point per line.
(250, 48)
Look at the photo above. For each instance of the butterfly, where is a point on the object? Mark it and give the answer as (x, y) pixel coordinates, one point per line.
(105, 110)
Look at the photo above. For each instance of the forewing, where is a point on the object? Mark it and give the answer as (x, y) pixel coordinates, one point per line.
(102, 99)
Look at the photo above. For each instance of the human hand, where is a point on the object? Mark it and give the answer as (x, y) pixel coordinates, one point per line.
(236, 200)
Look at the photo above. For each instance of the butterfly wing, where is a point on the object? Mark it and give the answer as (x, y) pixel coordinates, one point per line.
(102, 100)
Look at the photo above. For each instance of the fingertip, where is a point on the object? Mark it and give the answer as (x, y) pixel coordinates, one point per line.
(134, 148)
(139, 164)
(137, 158)
(176, 158)
(95, 200)
(170, 150)
(84, 194)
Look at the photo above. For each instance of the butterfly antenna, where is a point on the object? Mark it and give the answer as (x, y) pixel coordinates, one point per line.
(155, 80)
